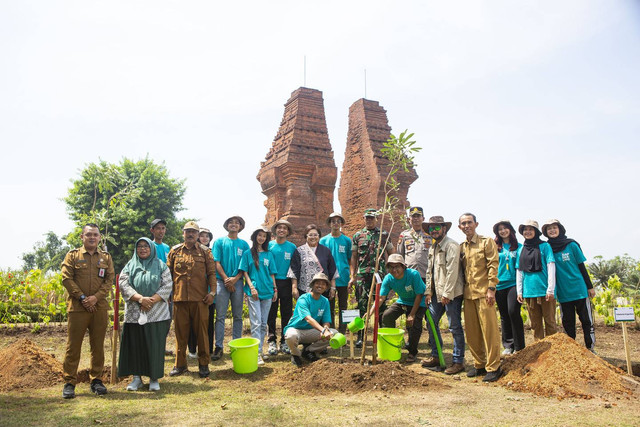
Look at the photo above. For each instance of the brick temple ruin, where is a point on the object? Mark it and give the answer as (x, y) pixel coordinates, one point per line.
(299, 174)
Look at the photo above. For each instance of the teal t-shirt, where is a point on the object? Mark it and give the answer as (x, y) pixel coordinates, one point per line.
(570, 285)
(261, 278)
(407, 288)
(229, 252)
(507, 266)
(162, 250)
(308, 306)
(341, 250)
(535, 285)
(282, 253)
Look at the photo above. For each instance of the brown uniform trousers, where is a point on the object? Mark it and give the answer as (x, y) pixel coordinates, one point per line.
(193, 272)
(89, 275)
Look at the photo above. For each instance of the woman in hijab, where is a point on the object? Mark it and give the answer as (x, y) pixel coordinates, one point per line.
(307, 261)
(145, 284)
(506, 294)
(574, 287)
(536, 280)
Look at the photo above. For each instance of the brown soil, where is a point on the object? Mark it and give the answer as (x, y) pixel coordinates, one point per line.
(559, 367)
(24, 365)
(347, 375)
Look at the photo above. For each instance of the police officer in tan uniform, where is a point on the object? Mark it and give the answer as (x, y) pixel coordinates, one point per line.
(194, 288)
(87, 274)
(414, 243)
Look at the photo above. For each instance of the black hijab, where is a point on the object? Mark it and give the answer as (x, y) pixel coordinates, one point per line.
(530, 257)
(559, 243)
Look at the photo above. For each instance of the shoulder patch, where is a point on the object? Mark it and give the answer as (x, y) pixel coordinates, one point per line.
(177, 246)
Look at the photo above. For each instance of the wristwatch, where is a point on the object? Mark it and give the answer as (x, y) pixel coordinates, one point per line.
(82, 297)
(492, 288)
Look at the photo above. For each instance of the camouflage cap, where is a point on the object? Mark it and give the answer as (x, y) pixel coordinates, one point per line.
(370, 212)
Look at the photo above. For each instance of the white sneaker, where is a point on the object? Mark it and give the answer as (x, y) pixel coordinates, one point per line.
(154, 385)
(273, 348)
(260, 361)
(136, 384)
(193, 356)
(265, 356)
(507, 351)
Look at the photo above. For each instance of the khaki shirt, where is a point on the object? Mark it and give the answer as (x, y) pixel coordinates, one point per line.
(81, 274)
(445, 274)
(480, 261)
(193, 271)
(414, 247)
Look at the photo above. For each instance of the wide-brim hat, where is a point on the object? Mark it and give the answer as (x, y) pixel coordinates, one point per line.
(206, 230)
(239, 218)
(259, 229)
(563, 231)
(435, 220)
(284, 222)
(503, 222)
(396, 259)
(191, 225)
(530, 223)
(335, 215)
(320, 276)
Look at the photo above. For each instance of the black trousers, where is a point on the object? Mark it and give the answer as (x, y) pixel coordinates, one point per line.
(343, 301)
(396, 310)
(193, 341)
(568, 312)
(510, 319)
(285, 301)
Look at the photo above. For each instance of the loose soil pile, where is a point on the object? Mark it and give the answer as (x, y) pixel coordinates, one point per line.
(24, 365)
(558, 366)
(348, 375)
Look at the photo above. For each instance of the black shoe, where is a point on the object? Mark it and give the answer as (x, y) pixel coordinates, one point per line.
(310, 356)
(474, 372)
(69, 391)
(358, 344)
(217, 354)
(203, 371)
(297, 362)
(177, 371)
(98, 388)
(324, 352)
(492, 376)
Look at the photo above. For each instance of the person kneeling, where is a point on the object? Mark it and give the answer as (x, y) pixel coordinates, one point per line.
(310, 322)
(408, 285)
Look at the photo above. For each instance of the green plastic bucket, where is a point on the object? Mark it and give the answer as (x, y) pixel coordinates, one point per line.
(356, 325)
(390, 343)
(244, 355)
(337, 341)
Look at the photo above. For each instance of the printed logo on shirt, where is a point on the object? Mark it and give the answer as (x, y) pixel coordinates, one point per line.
(342, 249)
(566, 257)
(265, 262)
(321, 312)
(287, 255)
(408, 288)
(240, 252)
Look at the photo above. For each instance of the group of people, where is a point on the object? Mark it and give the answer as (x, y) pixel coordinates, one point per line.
(194, 282)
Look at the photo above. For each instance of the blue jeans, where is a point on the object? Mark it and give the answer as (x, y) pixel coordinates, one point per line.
(454, 314)
(222, 305)
(258, 316)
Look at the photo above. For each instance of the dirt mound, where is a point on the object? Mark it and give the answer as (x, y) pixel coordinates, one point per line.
(558, 366)
(348, 375)
(24, 365)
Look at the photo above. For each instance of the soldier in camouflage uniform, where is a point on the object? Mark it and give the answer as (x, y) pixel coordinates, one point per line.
(363, 261)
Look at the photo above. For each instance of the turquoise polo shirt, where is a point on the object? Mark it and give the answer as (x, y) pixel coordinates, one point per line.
(570, 285)
(340, 248)
(407, 288)
(535, 285)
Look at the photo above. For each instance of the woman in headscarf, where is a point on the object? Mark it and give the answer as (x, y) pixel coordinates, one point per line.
(506, 294)
(573, 284)
(307, 261)
(145, 284)
(536, 280)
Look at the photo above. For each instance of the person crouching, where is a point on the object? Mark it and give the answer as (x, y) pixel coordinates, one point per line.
(310, 322)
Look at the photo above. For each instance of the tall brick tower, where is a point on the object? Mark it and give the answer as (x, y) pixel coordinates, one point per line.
(299, 174)
(365, 168)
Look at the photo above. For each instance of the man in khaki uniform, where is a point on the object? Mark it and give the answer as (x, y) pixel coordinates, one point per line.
(480, 261)
(414, 243)
(87, 274)
(194, 288)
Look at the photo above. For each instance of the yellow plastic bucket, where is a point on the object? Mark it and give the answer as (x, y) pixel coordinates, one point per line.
(390, 343)
(244, 355)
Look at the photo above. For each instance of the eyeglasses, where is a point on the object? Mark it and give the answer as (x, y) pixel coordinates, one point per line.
(435, 228)
(142, 247)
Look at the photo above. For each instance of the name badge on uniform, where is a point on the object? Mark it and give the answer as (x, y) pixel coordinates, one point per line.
(101, 272)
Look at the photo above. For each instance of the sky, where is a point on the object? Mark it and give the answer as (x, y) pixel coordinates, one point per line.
(527, 109)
